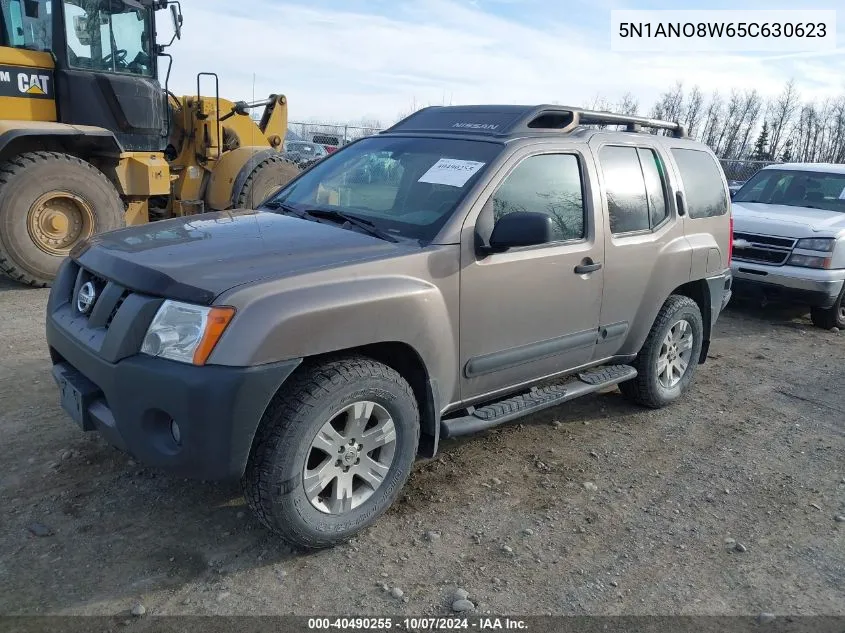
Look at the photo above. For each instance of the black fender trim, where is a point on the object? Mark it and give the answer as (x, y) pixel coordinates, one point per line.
(430, 423)
(96, 141)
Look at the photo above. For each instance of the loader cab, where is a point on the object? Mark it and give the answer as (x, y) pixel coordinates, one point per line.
(106, 69)
(105, 63)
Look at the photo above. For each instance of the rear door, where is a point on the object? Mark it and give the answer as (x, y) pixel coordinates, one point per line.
(646, 249)
(526, 313)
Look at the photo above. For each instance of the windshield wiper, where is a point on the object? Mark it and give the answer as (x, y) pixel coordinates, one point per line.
(288, 208)
(361, 223)
(314, 215)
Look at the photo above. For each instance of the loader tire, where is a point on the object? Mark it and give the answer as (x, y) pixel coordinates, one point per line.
(49, 202)
(267, 177)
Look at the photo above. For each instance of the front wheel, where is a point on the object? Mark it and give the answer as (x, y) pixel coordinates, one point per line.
(332, 451)
(666, 363)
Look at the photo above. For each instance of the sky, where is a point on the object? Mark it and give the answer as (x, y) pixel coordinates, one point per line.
(352, 60)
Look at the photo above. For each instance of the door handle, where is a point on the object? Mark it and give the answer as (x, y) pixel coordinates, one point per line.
(588, 267)
(679, 199)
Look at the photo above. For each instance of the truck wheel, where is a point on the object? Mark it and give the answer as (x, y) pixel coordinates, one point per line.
(267, 177)
(49, 202)
(666, 363)
(332, 451)
(833, 317)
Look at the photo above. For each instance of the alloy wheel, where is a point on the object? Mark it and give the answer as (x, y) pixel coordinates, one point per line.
(349, 457)
(675, 354)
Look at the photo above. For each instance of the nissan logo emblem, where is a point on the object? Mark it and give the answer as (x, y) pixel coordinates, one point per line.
(86, 298)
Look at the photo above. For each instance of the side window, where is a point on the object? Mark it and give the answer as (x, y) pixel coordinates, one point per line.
(627, 202)
(27, 24)
(703, 187)
(655, 184)
(548, 183)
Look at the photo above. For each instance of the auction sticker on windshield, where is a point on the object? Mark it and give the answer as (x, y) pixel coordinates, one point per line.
(451, 171)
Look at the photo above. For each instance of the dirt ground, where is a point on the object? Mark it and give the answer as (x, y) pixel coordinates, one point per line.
(722, 504)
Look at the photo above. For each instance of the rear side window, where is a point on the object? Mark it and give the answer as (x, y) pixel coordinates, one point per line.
(635, 186)
(627, 202)
(655, 184)
(703, 187)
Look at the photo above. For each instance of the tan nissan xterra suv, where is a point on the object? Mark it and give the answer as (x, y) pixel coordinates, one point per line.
(466, 267)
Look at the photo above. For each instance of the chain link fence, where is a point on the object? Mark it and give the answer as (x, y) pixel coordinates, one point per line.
(739, 170)
(328, 135)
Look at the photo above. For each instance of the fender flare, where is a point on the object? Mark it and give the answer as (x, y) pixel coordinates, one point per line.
(81, 137)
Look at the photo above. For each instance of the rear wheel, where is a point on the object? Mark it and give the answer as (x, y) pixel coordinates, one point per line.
(267, 177)
(833, 317)
(49, 202)
(667, 361)
(332, 452)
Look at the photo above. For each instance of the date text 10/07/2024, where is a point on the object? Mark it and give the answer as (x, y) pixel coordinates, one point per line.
(413, 624)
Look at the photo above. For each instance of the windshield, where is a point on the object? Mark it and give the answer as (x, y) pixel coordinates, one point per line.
(809, 189)
(109, 35)
(406, 187)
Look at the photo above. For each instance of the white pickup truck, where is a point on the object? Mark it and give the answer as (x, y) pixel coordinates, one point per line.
(789, 238)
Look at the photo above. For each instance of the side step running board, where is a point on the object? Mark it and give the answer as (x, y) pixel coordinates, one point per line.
(535, 400)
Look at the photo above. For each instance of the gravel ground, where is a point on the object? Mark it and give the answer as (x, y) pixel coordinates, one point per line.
(725, 503)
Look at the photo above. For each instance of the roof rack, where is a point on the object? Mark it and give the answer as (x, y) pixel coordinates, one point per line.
(632, 123)
(508, 120)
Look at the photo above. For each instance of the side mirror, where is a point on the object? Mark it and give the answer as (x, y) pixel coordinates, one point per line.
(176, 16)
(733, 193)
(521, 228)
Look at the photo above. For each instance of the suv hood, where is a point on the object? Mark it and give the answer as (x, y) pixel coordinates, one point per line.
(197, 258)
(786, 221)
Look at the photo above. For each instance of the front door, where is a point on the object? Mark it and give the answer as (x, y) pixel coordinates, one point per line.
(531, 312)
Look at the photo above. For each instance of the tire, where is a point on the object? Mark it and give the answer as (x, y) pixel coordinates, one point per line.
(267, 177)
(651, 388)
(275, 481)
(32, 187)
(833, 317)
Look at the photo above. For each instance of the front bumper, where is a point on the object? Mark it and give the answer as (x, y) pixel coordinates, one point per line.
(133, 399)
(792, 284)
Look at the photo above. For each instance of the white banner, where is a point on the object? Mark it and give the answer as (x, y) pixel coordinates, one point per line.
(721, 31)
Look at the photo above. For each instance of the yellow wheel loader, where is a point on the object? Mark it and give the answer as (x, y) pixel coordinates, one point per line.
(90, 141)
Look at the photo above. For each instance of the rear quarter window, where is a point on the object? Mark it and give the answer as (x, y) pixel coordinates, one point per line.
(704, 189)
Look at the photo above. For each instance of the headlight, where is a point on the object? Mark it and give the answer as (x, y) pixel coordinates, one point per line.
(809, 261)
(185, 332)
(824, 244)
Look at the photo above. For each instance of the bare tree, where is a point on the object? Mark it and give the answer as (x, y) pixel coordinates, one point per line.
(628, 104)
(693, 113)
(670, 106)
(713, 114)
(780, 114)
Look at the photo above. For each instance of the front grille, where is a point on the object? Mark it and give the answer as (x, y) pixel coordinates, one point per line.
(763, 249)
(108, 298)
